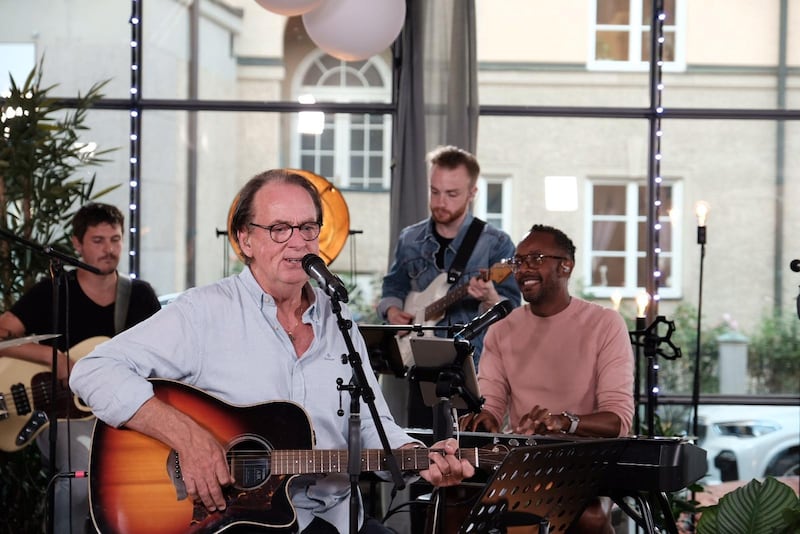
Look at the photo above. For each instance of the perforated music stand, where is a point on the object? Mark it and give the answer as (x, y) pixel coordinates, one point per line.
(545, 485)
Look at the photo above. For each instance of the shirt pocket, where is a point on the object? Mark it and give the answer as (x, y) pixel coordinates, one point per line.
(420, 273)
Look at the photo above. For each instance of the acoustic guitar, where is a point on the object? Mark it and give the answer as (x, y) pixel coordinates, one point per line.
(26, 397)
(429, 306)
(135, 485)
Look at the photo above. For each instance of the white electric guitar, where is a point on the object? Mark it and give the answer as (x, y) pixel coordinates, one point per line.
(26, 397)
(429, 306)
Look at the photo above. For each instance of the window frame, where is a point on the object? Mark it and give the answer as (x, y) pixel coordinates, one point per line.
(635, 31)
(342, 123)
(480, 204)
(633, 220)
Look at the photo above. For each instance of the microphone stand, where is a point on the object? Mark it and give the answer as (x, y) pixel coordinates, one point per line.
(450, 382)
(360, 387)
(57, 261)
(648, 339)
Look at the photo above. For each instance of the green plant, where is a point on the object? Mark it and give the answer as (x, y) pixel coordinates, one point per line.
(22, 491)
(41, 160)
(41, 155)
(774, 354)
(768, 507)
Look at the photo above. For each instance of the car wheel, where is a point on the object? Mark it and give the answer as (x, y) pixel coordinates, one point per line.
(787, 464)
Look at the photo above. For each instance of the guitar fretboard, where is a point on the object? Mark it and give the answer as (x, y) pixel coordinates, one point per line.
(295, 462)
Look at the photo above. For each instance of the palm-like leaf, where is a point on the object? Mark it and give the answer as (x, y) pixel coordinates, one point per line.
(41, 158)
(755, 508)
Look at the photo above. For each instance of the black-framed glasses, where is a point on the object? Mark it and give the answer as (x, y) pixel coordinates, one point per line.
(531, 260)
(282, 232)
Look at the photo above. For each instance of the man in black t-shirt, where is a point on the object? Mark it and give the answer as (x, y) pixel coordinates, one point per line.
(92, 307)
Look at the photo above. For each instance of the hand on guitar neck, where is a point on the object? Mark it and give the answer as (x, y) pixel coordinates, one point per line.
(430, 305)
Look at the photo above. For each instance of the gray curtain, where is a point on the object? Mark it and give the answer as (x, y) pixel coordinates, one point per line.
(437, 99)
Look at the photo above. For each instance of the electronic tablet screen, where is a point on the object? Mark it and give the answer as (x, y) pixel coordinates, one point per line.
(432, 353)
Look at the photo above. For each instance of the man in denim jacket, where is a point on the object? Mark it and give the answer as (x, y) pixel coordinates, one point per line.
(427, 249)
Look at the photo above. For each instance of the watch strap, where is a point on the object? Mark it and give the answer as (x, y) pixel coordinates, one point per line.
(573, 422)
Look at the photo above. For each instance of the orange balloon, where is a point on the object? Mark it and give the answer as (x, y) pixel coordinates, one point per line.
(335, 218)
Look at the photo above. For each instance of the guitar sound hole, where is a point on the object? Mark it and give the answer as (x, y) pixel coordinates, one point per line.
(249, 460)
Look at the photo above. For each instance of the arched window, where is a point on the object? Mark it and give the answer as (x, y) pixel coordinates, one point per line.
(353, 149)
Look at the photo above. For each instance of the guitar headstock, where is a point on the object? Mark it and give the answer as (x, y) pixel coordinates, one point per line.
(498, 272)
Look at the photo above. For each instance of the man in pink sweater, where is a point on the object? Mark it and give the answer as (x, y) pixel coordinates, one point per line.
(558, 364)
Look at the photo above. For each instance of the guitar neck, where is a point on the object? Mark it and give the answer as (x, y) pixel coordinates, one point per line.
(297, 462)
(439, 307)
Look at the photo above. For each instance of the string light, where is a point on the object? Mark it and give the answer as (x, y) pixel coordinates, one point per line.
(654, 196)
(134, 163)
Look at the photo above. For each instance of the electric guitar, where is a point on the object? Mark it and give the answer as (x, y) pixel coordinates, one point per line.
(429, 306)
(26, 397)
(135, 485)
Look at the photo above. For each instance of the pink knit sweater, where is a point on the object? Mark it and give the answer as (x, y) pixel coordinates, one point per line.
(579, 360)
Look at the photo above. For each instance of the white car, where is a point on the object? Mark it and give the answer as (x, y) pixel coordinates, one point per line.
(746, 442)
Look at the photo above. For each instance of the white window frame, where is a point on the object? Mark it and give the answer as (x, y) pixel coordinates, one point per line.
(632, 254)
(635, 30)
(341, 121)
(480, 207)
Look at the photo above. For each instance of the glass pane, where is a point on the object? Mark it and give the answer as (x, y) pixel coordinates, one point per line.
(308, 141)
(613, 11)
(357, 139)
(375, 166)
(326, 166)
(376, 139)
(352, 80)
(326, 138)
(612, 45)
(665, 265)
(608, 271)
(608, 235)
(609, 200)
(494, 198)
(356, 167)
(641, 235)
(667, 49)
(647, 12)
(664, 194)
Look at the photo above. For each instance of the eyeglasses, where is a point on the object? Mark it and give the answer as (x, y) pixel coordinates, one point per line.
(282, 232)
(530, 260)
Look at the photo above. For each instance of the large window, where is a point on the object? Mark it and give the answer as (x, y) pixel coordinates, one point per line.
(352, 150)
(493, 202)
(617, 229)
(621, 34)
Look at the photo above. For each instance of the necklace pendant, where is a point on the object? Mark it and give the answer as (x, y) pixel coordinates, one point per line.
(291, 336)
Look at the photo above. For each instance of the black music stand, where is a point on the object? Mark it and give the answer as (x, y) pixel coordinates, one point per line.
(384, 354)
(545, 485)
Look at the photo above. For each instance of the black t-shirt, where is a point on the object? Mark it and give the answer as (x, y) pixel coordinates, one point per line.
(86, 318)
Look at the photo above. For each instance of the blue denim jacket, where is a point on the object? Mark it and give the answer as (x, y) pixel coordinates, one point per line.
(414, 268)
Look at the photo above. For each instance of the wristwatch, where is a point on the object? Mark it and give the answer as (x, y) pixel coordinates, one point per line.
(573, 422)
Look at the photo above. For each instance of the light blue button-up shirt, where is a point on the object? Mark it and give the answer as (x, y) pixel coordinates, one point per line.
(225, 339)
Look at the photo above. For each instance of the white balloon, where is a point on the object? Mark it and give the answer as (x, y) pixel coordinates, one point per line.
(289, 8)
(355, 29)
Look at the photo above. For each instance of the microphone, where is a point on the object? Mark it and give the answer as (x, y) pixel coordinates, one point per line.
(480, 323)
(315, 267)
(795, 265)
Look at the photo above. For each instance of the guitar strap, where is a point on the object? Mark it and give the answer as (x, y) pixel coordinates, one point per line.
(465, 250)
(121, 302)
